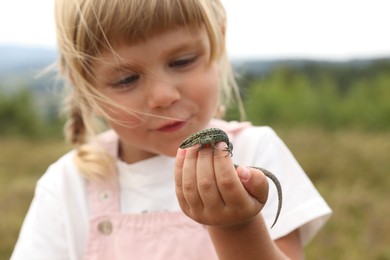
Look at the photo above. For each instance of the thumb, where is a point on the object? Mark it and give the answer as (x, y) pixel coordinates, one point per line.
(255, 182)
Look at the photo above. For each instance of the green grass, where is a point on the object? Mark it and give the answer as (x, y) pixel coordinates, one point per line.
(22, 162)
(350, 169)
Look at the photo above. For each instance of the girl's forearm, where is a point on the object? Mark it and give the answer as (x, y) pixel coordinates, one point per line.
(250, 240)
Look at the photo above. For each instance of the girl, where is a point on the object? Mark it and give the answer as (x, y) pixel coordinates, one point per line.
(153, 72)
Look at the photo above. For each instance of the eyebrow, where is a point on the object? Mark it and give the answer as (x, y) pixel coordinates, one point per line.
(190, 44)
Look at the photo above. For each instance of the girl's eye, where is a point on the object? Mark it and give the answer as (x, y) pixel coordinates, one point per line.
(179, 63)
(126, 82)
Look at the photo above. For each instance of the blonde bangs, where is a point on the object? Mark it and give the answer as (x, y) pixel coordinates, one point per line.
(93, 25)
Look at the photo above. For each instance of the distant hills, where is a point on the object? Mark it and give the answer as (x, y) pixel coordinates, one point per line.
(15, 59)
(19, 66)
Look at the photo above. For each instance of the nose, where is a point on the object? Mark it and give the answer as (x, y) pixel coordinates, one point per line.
(162, 93)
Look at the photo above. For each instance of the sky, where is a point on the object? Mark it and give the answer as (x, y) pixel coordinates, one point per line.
(262, 29)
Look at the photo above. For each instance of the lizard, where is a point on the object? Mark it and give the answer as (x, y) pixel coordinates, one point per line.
(210, 137)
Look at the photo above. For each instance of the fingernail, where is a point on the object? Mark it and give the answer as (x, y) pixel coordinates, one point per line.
(181, 152)
(221, 145)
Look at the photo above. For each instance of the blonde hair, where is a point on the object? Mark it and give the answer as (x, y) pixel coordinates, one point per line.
(84, 30)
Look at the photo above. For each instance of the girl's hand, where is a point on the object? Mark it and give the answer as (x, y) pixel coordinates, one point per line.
(212, 192)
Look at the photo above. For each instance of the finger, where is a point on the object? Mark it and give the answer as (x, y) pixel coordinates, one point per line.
(255, 182)
(229, 185)
(178, 170)
(207, 184)
(189, 179)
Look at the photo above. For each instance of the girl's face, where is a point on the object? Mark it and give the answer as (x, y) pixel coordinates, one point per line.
(166, 84)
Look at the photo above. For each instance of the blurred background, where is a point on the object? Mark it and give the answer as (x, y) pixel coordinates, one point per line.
(318, 72)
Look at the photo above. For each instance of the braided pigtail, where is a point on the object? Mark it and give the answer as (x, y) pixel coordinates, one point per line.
(93, 160)
(75, 130)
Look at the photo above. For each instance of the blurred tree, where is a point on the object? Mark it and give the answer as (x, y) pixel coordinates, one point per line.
(18, 114)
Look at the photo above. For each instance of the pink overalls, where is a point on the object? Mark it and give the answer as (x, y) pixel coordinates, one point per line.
(160, 235)
(155, 235)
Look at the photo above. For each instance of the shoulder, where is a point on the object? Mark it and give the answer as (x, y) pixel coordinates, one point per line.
(249, 139)
(243, 130)
(60, 175)
(65, 171)
(257, 134)
(260, 145)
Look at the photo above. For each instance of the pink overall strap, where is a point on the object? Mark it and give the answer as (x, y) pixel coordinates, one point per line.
(104, 193)
(104, 200)
(104, 196)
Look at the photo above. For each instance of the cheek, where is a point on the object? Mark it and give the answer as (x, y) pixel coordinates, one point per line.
(207, 91)
(120, 117)
(120, 108)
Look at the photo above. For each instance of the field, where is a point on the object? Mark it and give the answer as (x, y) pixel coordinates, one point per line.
(22, 162)
(349, 168)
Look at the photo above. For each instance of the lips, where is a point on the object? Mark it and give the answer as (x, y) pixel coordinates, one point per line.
(172, 126)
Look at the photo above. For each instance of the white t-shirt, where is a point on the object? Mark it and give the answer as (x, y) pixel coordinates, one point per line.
(56, 226)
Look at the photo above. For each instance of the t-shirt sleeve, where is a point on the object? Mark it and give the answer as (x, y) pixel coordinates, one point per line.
(303, 207)
(43, 234)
